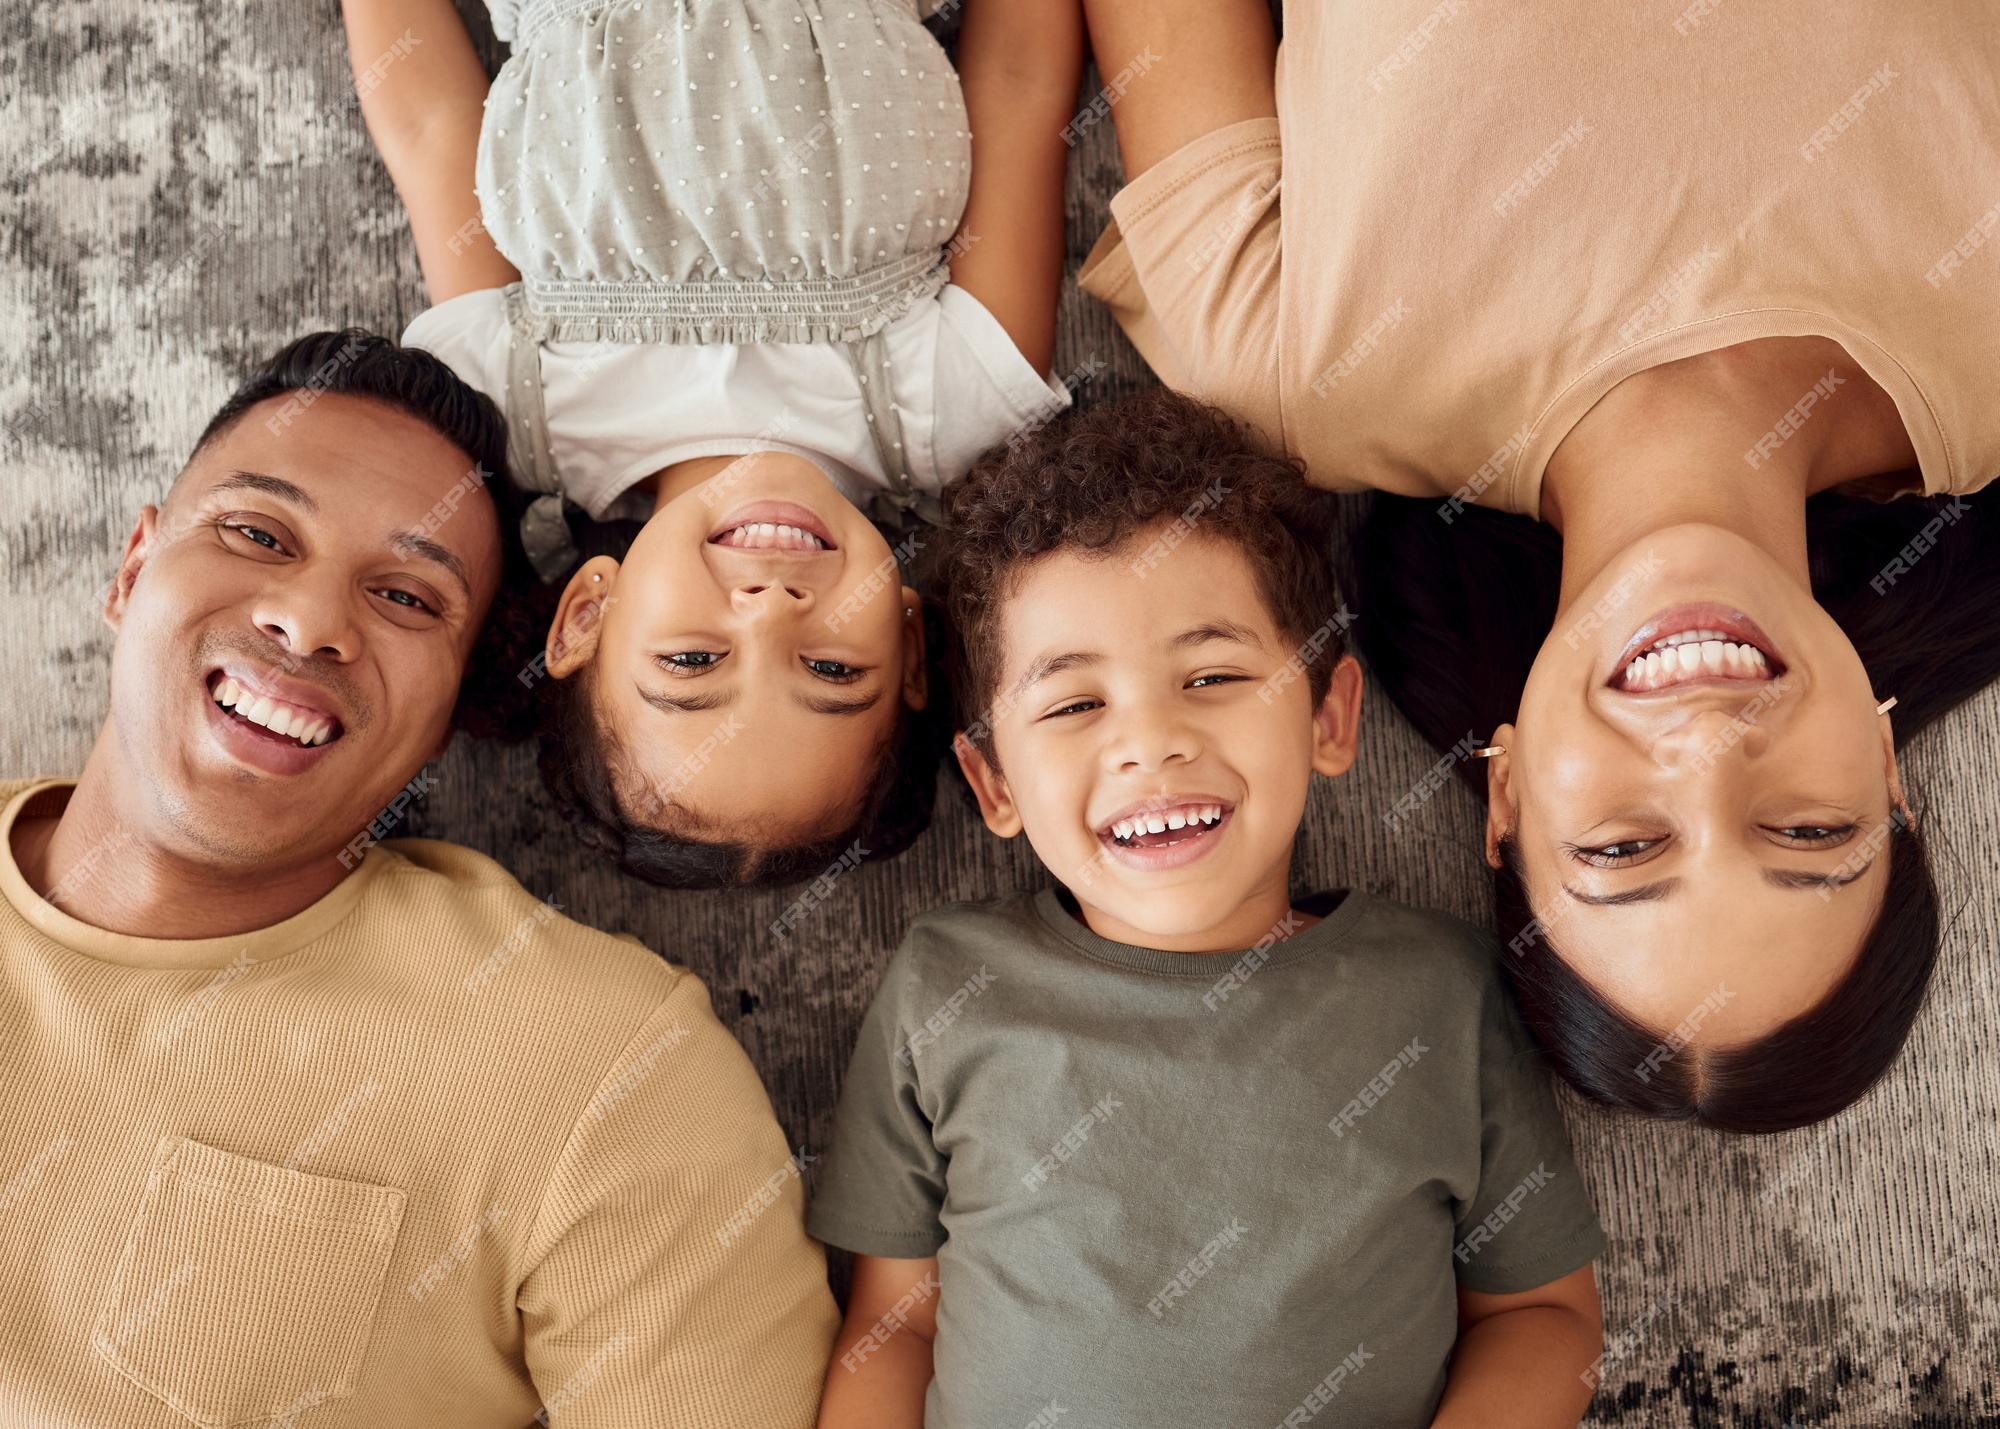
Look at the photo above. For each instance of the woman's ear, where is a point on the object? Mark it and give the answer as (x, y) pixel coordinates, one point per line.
(1898, 800)
(916, 666)
(996, 805)
(1500, 811)
(580, 616)
(1337, 721)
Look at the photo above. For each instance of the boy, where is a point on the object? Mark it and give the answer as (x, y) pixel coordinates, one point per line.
(1163, 1146)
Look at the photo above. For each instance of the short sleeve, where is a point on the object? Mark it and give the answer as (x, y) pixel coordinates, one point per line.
(982, 389)
(468, 334)
(671, 1279)
(1530, 1221)
(880, 1190)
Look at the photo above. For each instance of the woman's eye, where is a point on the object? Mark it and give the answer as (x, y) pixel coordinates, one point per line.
(1613, 854)
(408, 600)
(690, 659)
(1816, 835)
(1203, 681)
(834, 670)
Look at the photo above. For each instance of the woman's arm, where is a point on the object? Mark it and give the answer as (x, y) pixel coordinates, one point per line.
(1019, 63)
(1523, 1361)
(881, 1366)
(422, 94)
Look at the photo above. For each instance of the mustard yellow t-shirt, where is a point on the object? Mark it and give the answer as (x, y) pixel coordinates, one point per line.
(1469, 222)
(426, 1154)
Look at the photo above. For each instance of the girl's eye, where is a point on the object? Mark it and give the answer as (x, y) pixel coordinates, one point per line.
(835, 671)
(1816, 835)
(1203, 681)
(1612, 855)
(686, 660)
(1073, 707)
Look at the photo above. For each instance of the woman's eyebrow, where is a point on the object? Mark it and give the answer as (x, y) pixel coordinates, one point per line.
(1802, 878)
(1645, 893)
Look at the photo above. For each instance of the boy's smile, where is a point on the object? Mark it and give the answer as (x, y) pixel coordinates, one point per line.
(1154, 741)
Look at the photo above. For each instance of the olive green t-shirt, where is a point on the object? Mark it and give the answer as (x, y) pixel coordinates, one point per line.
(1206, 1189)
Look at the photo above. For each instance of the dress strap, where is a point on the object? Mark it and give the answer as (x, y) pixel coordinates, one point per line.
(870, 357)
(544, 532)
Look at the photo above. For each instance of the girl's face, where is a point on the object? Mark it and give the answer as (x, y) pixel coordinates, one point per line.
(749, 655)
(1703, 836)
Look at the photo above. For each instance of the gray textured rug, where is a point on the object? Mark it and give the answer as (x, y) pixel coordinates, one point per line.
(187, 185)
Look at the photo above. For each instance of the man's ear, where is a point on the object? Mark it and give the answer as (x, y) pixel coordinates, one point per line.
(580, 616)
(138, 546)
(1337, 721)
(1500, 811)
(916, 666)
(989, 787)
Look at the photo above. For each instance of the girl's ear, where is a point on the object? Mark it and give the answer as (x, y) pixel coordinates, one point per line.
(1337, 721)
(916, 667)
(989, 787)
(580, 616)
(1500, 811)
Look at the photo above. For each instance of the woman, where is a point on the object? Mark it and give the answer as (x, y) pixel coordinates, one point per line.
(1695, 288)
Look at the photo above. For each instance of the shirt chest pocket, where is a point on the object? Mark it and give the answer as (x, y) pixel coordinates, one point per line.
(246, 1291)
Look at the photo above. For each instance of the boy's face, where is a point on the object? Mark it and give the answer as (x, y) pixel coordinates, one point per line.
(1135, 693)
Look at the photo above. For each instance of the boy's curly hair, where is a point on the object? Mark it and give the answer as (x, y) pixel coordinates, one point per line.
(1158, 466)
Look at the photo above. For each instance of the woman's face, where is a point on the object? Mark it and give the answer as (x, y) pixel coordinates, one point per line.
(1704, 838)
(749, 654)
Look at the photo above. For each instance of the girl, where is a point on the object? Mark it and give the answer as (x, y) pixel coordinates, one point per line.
(1633, 314)
(764, 275)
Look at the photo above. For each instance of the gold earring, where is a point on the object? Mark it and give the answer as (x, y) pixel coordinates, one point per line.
(1886, 705)
(1487, 751)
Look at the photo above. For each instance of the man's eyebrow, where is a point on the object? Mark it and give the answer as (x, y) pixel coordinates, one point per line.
(1217, 630)
(1645, 893)
(829, 705)
(270, 485)
(685, 704)
(1801, 878)
(1043, 666)
(415, 543)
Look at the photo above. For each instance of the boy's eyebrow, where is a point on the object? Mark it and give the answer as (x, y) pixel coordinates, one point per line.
(1217, 630)
(270, 486)
(1043, 666)
(415, 543)
(684, 704)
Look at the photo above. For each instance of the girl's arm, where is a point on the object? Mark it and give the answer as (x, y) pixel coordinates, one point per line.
(422, 89)
(881, 1365)
(1019, 63)
(1524, 1361)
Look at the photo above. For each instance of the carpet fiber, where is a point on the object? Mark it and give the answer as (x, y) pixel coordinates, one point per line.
(187, 186)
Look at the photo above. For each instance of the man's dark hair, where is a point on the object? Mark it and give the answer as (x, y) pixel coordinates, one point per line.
(1158, 467)
(358, 363)
(586, 774)
(1459, 600)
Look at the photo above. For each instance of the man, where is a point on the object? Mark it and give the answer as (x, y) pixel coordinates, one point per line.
(303, 1130)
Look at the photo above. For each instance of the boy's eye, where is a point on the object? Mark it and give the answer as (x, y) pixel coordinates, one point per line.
(686, 660)
(834, 670)
(1202, 681)
(1073, 707)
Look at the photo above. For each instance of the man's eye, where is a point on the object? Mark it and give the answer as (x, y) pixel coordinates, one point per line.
(408, 600)
(835, 670)
(255, 534)
(690, 659)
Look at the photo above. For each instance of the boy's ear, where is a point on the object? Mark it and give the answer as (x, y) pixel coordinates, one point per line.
(580, 616)
(1500, 811)
(138, 546)
(996, 805)
(916, 667)
(1337, 721)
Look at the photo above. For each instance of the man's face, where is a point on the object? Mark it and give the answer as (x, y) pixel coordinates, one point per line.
(292, 628)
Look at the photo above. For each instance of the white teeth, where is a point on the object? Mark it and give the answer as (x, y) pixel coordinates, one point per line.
(1155, 824)
(280, 721)
(289, 720)
(1177, 820)
(1677, 659)
(1121, 830)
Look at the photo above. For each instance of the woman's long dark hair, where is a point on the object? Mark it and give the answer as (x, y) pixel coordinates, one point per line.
(1457, 603)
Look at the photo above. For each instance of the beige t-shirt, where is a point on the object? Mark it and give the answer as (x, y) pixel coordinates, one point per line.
(1488, 216)
(427, 1153)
